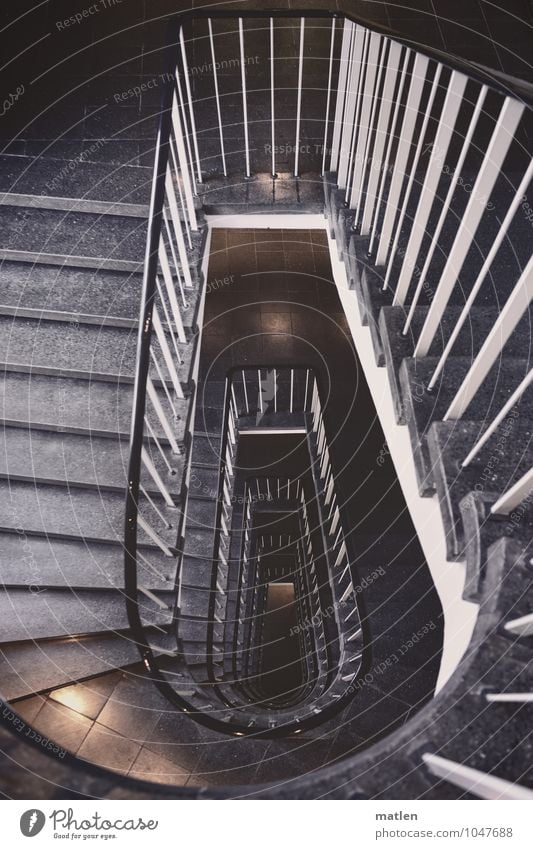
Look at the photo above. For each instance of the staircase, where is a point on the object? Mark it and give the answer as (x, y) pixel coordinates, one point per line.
(106, 403)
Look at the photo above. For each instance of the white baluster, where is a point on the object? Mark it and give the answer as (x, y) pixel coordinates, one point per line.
(402, 155)
(500, 142)
(217, 96)
(513, 310)
(299, 96)
(474, 781)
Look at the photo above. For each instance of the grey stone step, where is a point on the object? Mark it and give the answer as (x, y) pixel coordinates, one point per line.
(423, 407)
(38, 561)
(47, 177)
(74, 348)
(73, 234)
(89, 461)
(94, 406)
(26, 615)
(72, 204)
(501, 462)
(78, 291)
(33, 667)
(397, 347)
(78, 514)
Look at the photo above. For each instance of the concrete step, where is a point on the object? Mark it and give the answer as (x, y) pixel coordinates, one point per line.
(73, 235)
(396, 346)
(79, 514)
(26, 615)
(37, 561)
(423, 407)
(86, 461)
(233, 195)
(79, 291)
(37, 666)
(501, 462)
(76, 405)
(45, 177)
(75, 348)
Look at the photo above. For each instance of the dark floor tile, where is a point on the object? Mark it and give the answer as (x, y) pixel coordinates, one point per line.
(105, 748)
(63, 725)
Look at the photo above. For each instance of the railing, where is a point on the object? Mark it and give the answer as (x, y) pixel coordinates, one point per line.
(374, 105)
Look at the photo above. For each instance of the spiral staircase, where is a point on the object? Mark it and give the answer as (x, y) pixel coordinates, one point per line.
(217, 579)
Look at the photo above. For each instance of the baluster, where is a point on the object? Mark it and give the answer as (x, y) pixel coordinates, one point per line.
(500, 142)
(414, 166)
(244, 103)
(376, 163)
(503, 327)
(189, 99)
(502, 233)
(402, 155)
(391, 136)
(299, 96)
(355, 73)
(347, 34)
(328, 99)
(217, 96)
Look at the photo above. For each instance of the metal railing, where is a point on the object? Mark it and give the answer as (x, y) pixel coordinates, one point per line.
(384, 100)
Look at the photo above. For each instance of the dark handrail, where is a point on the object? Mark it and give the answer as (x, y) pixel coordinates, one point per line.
(502, 83)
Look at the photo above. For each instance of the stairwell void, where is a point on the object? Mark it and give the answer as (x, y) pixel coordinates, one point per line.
(233, 439)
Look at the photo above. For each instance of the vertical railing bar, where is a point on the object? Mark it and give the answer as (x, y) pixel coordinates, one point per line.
(272, 99)
(157, 403)
(156, 440)
(260, 393)
(244, 104)
(178, 232)
(245, 391)
(149, 531)
(217, 96)
(439, 150)
(292, 391)
(156, 477)
(515, 397)
(517, 200)
(169, 286)
(169, 323)
(414, 166)
(299, 100)
(513, 310)
(184, 209)
(341, 93)
(328, 98)
(412, 108)
(356, 204)
(177, 265)
(514, 496)
(355, 70)
(189, 185)
(500, 142)
(391, 77)
(189, 98)
(165, 350)
(392, 135)
(355, 129)
(181, 103)
(447, 202)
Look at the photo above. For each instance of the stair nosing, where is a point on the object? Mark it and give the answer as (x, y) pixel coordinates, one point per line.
(66, 204)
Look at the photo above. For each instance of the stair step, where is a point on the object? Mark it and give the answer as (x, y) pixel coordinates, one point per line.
(500, 463)
(43, 176)
(73, 348)
(39, 561)
(76, 405)
(88, 461)
(195, 602)
(26, 615)
(74, 235)
(397, 347)
(33, 667)
(89, 515)
(70, 290)
(423, 407)
(73, 204)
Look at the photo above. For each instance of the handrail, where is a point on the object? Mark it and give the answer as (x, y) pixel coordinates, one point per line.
(493, 80)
